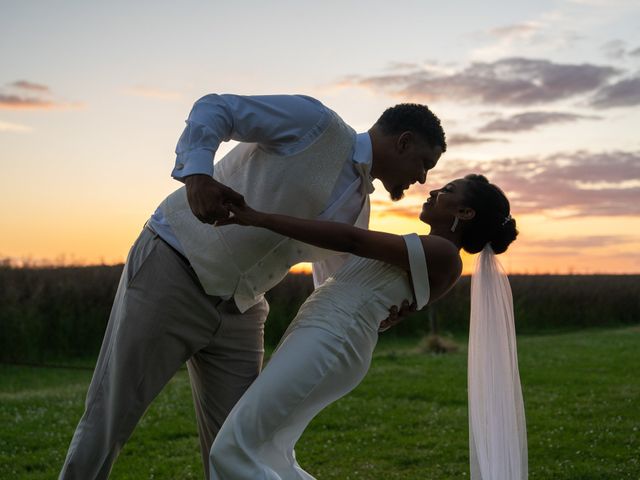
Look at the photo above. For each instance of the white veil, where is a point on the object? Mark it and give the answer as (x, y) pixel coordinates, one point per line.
(497, 430)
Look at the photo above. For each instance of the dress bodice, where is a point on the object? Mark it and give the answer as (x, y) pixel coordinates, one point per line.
(365, 289)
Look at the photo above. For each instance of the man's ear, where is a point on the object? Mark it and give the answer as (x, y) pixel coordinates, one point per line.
(466, 213)
(404, 140)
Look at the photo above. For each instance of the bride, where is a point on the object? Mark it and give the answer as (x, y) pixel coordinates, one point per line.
(327, 349)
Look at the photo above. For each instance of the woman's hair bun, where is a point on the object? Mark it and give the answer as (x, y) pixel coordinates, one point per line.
(492, 222)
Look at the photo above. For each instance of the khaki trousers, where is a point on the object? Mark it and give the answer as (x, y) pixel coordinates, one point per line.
(162, 318)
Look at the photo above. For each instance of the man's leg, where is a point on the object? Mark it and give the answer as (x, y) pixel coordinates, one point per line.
(160, 317)
(221, 372)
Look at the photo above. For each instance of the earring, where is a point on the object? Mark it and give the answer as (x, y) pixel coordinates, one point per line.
(455, 224)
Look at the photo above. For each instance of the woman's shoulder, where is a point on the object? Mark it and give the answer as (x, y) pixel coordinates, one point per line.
(441, 247)
(443, 261)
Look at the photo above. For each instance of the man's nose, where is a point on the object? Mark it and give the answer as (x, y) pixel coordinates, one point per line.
(422, 178)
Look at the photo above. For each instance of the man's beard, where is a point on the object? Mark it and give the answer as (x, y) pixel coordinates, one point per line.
(396, 193)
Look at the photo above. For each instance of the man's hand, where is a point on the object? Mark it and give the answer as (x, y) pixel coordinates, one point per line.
(396, 316)
(207, 198)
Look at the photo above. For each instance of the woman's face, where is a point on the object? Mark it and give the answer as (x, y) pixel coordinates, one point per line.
(444, 203)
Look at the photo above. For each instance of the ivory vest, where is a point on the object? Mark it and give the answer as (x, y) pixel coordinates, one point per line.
(245, 262)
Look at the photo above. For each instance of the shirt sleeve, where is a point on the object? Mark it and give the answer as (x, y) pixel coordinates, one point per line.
(282, 124)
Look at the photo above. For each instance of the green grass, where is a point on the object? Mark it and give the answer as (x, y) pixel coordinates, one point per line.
(407, 420)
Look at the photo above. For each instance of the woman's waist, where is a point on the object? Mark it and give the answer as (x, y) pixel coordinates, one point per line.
(381, 294)
(343, 303)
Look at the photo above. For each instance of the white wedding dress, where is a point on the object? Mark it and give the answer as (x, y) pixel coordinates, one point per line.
(324, 354)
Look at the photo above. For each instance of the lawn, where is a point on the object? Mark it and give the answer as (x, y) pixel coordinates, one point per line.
(408, 419)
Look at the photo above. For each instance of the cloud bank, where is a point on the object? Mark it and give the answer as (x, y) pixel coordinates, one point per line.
(464, 139)
(27, 95)
(561, 185)
(531, 120)
(30, 86)
(19, 102)
(511, 81)
(625, 93)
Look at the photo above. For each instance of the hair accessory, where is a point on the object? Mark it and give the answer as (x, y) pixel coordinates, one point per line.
(455, 224)
(507, 219)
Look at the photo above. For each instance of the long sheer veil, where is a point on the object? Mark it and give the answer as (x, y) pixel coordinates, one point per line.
(497, 429)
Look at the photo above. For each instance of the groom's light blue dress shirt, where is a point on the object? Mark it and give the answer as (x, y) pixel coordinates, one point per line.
(281, 124)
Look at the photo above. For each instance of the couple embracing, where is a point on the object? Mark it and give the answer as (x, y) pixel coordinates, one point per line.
(193, 286)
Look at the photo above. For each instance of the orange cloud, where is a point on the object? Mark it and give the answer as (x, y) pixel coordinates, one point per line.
(37, 97)
(16, 102)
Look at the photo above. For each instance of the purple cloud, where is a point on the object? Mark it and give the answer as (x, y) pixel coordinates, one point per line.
(511, 81)
(26, 85)
(625, 93)
(462, 139)
(26, 95)
(531, 120)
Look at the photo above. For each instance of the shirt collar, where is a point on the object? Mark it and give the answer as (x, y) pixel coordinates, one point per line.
(362, 159)
(363, 152)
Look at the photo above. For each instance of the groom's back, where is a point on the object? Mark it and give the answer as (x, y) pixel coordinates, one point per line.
(246, 262)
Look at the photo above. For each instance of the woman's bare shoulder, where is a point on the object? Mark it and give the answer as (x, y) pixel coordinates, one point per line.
(443, 263)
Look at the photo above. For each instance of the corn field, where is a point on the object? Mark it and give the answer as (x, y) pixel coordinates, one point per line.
(48, 314)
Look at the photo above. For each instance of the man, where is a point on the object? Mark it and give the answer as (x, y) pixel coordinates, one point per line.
(193, 293)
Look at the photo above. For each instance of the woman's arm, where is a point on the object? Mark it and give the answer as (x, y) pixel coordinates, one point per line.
(341, 237)
(443, 261)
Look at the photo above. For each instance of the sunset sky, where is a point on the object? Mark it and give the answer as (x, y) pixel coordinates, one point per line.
(543, 97)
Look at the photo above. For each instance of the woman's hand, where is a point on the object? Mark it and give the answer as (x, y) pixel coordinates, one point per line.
(242, 215)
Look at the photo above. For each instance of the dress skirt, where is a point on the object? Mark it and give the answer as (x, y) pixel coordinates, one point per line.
(315, 364)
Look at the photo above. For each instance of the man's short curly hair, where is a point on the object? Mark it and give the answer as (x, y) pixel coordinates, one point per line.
(415, 118)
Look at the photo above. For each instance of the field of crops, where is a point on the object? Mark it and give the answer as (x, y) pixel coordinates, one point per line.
(48, 314)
